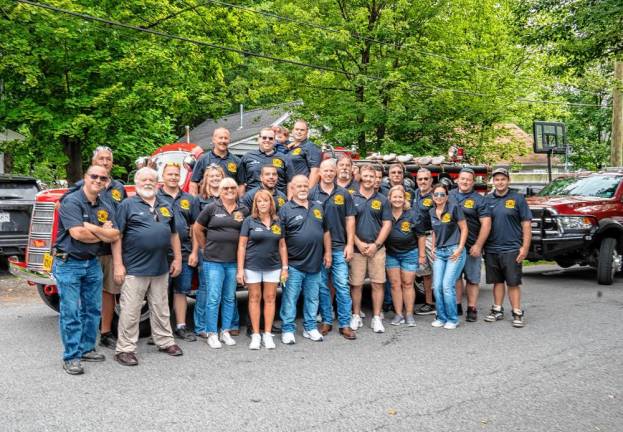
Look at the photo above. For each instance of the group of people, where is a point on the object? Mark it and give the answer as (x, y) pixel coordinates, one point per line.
(279, 215)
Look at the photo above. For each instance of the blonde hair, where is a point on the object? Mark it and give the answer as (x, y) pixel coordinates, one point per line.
(399, 188)
(272, 210)
(204, 187)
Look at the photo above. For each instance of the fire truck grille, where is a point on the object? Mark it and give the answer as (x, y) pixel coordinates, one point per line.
(41, 227)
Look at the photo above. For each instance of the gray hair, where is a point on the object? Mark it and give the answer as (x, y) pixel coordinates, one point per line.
(331, 162)
(146, 170)
(99, 149)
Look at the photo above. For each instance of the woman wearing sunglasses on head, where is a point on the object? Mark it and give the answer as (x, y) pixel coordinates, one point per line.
(449, 237)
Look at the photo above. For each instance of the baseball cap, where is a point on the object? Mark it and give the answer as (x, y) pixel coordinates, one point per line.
(502, 171)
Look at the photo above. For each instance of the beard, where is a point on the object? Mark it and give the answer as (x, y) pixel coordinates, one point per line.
(146, 192)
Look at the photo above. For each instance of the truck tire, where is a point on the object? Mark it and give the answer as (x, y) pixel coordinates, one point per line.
(52, 301)
(564, 264)
(607, 264)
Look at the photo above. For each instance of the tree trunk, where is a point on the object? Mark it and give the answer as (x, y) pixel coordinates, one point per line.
(616, 150)
(72, 147)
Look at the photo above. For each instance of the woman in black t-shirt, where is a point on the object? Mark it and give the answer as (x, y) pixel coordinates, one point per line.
(262, 260)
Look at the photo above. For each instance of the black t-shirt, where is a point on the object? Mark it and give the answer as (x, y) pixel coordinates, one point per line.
(405, 230)
(222, 231)
(229, 163)
(186, 209)
(474, 208)
(507, 213)
(337, 206)
(424, 203)
(371, 213)
(251, 167)
(262, 252)
(303, 230)
(447, 232)
(278, 197)
(146, 235)
(75, 209)
(304, 157)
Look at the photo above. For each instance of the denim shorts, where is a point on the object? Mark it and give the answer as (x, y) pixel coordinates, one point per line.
(405, 261)
(472, 269)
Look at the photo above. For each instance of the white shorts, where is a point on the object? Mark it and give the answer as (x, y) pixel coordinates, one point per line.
(271, 276)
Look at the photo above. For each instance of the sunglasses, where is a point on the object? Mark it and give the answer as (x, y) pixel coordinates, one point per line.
(98, 177)
(154, 213)
(439, 194)
(423, 179)
(269, 138)
(229, 188)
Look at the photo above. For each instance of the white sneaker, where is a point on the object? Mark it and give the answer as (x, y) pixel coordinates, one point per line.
(450, 326)
(213, 341)
(256, 341)
(382, 315)
(313, 335)
(267, 340)
(227, 339)
(362, 314)
(377, 325)
(437, 323)
(355, 322)
(288, 338)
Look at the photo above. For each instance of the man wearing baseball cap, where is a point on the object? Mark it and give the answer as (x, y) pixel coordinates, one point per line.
(507, 246)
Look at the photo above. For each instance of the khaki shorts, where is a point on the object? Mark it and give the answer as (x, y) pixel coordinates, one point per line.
(375, 268)
(426, 269)
(109, 284)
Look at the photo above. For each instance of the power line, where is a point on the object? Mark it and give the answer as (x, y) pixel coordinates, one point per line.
(275, 59)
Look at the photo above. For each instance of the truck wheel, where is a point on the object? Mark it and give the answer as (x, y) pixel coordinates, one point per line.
(52, 300)
(609, 261)
(564, 264)
(144, 328)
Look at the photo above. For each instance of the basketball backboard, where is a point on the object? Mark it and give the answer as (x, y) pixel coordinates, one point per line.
(550, 137)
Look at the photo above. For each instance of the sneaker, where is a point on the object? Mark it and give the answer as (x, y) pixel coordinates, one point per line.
(362, 314)
(108, 340)
(287, 338)
(410, 319)
(73, 367)
(398, 319)
(450, 325)
(437, 323)
(472, 314)
(213, 341)
(256, 341)
(356, 322)
(426, 309)
(518, 319)
(382, 315)
(185, 334)
(495, 315)
(93, 356)
(267, 341)
(459, 309)
(202, 335)
(313, 335)
(377, 325)
(227, 339)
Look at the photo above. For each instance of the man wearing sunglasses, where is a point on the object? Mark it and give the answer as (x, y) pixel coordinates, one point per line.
(219, 155)
(423, 200)
(85, 222)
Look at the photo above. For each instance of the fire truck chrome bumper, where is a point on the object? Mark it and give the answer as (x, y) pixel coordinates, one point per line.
(18, 269)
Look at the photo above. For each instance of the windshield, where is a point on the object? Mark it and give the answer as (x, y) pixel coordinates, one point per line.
(175, 156)
(602, 186)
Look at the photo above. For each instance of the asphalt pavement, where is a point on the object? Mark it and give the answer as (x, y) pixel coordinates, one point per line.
(562, 372)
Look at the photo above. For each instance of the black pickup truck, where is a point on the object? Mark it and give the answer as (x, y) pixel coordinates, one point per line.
(17, 198)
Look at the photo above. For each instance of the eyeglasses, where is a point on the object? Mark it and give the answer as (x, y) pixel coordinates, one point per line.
(439, 194)
(423, 179)
(214, 165)
(269, 138)
(98, 177)
(154, 213)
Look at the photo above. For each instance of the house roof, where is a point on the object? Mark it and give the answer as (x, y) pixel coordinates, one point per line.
(515, 133)
(9, 135)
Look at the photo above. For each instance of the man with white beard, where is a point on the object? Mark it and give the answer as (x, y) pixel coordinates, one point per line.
(147, 227)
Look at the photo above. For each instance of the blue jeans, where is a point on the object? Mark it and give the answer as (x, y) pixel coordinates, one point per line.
(339, 277)
(221, 293)
(181, 284)
(79, 285)
(201, 301)
(445, 274)
(309, 283)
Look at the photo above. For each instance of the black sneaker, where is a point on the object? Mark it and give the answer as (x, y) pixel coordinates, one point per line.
(495, 315)
(73, 367)
(387, 307)
(472, 314)
(93, 356)
(185, 334)
(108, 340)
(459, 309)
(518, 319)
(426, 309)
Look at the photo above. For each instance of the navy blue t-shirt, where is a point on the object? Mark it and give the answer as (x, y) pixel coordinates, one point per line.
(304, 157)
(251, 167)
(474, 208)
(278, 197)
(222, 231)
(203, 202)
(424, 203)
(262, 252)
(352, 186)
(186, 209)
(405, 231)
(371, 213)
(447, 232)
(146, 235)
(230, 164)
(75, 209)
(303, 230)
(337, 205)
(507, 213)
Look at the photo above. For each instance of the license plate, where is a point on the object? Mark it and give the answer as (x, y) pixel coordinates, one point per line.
(47, 262)
(5, 217)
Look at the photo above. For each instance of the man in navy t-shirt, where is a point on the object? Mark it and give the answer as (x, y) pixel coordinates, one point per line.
(304, 155)
(218, 155)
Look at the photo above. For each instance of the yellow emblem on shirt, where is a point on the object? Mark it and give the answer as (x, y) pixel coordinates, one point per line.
(351, 191)
(510, 204)
(405, 226)
(296, 151)
(280, 201)
(427, 202)
(102, 216)
(338, 199)
(469, 203)
(277, 163)
(238, 216)
(165, 212)
(116, 195)
(376, 205)
(408, 196)
(446, 218)
(231, 167)
(317, 214)
(185, 204)
(276, 229)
